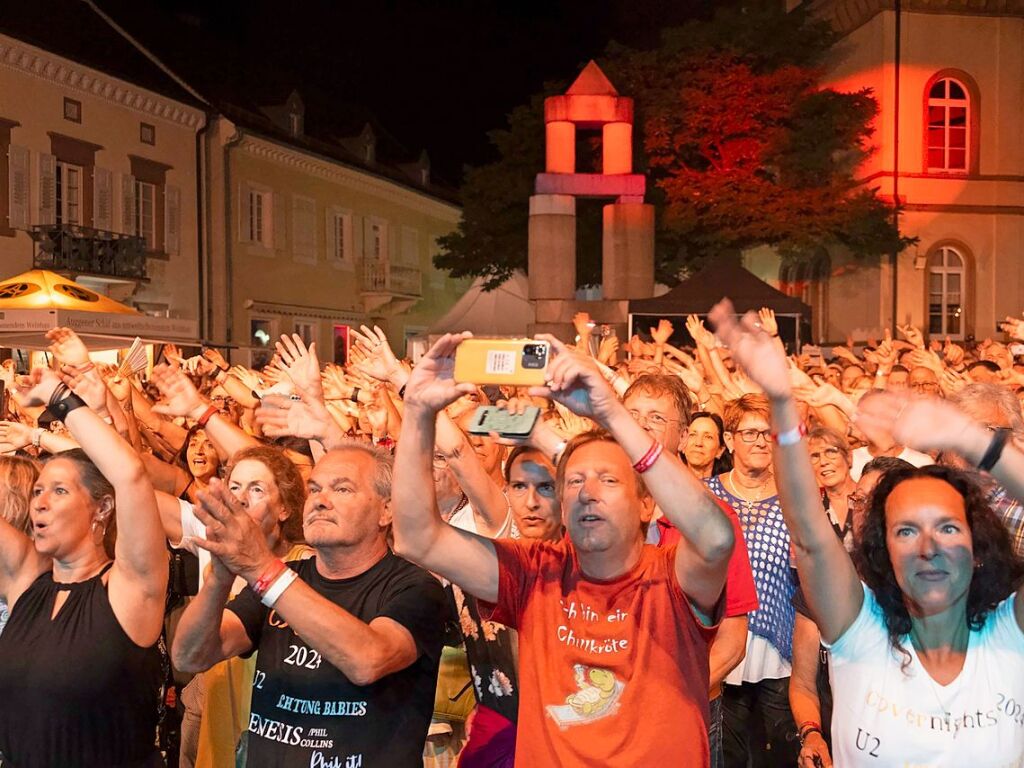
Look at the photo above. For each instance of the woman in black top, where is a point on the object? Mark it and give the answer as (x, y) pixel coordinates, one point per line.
(79, 665)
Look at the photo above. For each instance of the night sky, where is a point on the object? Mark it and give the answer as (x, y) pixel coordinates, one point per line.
(437, 75)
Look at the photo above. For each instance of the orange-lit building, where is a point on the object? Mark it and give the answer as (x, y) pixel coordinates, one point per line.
(949, 79)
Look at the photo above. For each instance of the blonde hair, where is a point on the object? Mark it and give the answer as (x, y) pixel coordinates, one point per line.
(17, 477)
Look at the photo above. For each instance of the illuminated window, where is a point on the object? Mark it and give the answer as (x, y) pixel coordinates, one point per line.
(948, 131)
(945, 293)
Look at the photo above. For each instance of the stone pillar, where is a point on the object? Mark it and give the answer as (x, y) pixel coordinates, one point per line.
(560, 147)
(617, 148)
(627, 251)
(552, 247)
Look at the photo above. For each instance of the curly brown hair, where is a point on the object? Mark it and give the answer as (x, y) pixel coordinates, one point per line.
(290, 485)
(998, 572)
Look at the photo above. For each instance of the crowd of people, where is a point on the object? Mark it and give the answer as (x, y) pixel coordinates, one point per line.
(711, 554)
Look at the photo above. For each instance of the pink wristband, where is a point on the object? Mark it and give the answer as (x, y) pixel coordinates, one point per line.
(647, 460)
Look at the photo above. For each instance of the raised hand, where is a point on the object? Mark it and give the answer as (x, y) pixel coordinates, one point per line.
(88, 385)
(701, 335)
(923, 423)
(247, 376)
(766, 317)
(662, 333)
(172, 354)
(577, 383)
(300, 364)
(753, 349)
(689, 375)
(952, 353)
(15, 435)
(581, 322)
(35, 389)
(607, 352)
(911, 334)
(215, 357)
(1013, 327)
(181, 398)
(431, 385)
(379, 361)
(67, 347)
(282, 416)
(232, 533)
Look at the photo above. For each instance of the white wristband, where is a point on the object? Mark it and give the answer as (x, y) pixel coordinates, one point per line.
(791, 436)
(281, 583)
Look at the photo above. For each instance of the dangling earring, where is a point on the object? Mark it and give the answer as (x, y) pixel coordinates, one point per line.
(93, 526)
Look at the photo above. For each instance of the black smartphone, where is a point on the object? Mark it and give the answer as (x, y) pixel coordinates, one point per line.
(489, 418)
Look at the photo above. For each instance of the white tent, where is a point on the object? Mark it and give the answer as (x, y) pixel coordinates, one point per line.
(505, 311)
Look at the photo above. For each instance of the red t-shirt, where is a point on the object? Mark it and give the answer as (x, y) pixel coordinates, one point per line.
(740, 592)
(611, 673)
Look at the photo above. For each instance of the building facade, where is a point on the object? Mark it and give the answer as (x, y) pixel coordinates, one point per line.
(302, 242)
(98, 181)
(949, 79)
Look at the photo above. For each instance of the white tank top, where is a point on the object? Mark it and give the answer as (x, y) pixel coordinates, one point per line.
(885, 716)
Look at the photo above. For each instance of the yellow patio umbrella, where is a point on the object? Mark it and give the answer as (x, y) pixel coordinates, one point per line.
(42, 289)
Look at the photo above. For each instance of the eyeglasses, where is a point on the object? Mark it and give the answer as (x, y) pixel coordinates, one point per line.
(831, 453)
(751, 435)
(653, 421)
(440, 461)
(925, 386)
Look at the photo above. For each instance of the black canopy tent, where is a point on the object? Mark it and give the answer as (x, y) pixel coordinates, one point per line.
(721, 278)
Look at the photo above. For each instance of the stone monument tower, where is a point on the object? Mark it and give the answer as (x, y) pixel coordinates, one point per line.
(627, 252)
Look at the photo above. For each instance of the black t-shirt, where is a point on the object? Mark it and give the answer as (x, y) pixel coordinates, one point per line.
(306, 713)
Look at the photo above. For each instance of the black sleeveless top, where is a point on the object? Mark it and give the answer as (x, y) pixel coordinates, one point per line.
(75, 691)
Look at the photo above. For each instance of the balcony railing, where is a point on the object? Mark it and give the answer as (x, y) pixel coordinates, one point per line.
(73, 248)
(384, 277)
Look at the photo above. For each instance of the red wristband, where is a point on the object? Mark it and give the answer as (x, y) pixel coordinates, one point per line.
(647, 460)
(268, 577)
(207, 415)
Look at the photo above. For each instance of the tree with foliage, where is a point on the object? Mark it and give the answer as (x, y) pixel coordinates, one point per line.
(740, 144)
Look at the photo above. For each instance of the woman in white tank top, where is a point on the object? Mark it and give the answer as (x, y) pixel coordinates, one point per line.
(926, 653)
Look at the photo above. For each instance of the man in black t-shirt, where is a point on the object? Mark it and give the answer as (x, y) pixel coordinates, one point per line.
(348, 654)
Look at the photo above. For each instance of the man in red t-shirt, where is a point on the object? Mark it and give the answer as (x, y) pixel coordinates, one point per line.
(661, 404)
(613, 633)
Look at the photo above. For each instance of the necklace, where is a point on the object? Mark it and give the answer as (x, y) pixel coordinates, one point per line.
(759, 492)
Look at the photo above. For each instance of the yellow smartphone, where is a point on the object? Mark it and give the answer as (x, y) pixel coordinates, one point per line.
(518, 362)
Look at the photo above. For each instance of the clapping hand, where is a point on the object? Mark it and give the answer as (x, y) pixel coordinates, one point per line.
(232, 534)
(300, 363)
(753, 349)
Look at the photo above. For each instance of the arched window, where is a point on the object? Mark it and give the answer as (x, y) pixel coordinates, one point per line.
(948, 136)
(946, 293)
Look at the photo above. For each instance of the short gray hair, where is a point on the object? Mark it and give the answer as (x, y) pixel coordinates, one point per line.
(979, 392)
(383, 464)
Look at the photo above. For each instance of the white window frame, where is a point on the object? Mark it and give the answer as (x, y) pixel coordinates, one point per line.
(145, 223)
(946, 103)
(314, 329)
(70, 208)
(257, 228)
(945, 270)
(342, 242)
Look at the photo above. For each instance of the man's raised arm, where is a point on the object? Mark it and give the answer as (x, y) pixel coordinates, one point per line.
(420, 534)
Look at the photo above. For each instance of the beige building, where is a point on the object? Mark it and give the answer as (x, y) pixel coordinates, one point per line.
(303, 239)
(99, 179)
(949, 79)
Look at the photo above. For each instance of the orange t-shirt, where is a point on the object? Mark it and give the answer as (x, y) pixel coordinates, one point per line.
(611, 673)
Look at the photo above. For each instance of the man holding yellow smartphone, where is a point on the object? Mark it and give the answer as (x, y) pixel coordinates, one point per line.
(614, 633)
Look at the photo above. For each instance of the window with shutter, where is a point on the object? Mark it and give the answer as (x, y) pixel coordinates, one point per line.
(102, 207)
(340, 250)
(172, 220)
(18, 186)
(47, 189)
(304, 229)
(127, 204)
(145, 213)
